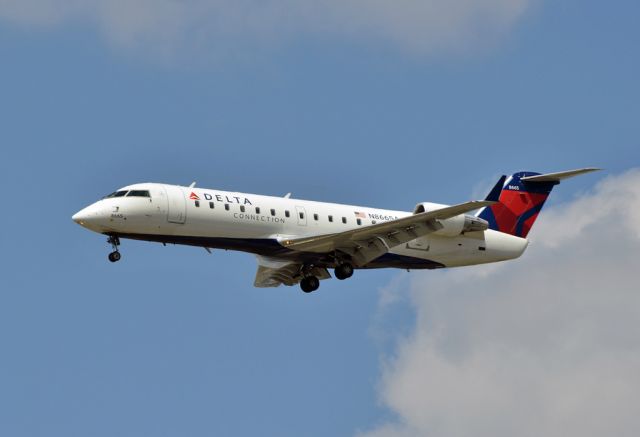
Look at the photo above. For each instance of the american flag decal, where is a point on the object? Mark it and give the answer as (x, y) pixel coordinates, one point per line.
(360, 214)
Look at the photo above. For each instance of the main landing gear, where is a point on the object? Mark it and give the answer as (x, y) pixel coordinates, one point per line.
(309, 284)
(115, 242)
(343, 271)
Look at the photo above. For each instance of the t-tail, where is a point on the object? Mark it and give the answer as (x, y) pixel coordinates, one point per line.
(521, 199)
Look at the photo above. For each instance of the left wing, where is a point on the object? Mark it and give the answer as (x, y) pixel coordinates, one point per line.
(368, 243)
(273, 272)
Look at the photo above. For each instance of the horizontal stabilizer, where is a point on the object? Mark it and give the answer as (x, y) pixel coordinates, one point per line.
(557, 177)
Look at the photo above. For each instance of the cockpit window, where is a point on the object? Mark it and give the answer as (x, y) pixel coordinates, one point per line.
(117, 194)
(139, 193)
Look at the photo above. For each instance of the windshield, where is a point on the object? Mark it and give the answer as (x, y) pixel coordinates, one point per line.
(139, 193)
(116, 194)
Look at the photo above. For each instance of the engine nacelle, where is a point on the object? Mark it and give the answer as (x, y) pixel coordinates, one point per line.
(453, 226)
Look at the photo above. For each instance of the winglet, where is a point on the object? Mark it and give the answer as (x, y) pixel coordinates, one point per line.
(494, 194)
(557, 177)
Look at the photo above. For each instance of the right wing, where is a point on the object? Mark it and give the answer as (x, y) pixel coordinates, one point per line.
(365, 244)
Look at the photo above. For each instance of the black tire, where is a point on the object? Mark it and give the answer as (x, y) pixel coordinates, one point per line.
(114, 257)
(343, 271)
(305, 286)
(315, 282)
(309, 284)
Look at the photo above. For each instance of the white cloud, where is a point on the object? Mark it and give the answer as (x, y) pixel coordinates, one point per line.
(545, 345)
(419, 26)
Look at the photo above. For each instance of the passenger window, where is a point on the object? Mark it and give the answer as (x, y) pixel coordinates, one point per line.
(330, 219)
(226, 207)
(273, 212)
(373, 222)
(241, 208)
(359, 221)
(257, 210)
(286, 213)
(344, 220)
(211, 205)
(197, 204)
(315, 217)
(301, 215)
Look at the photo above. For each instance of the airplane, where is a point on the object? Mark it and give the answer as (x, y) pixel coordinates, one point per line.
(298, 241)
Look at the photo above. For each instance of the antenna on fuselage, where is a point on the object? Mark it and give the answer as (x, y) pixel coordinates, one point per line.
(286, 196)
(193, 184)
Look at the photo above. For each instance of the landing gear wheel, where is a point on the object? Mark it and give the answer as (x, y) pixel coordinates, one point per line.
(343, 271)
(114, 241)
(309, 284)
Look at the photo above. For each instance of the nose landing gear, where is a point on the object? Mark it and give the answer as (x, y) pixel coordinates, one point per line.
(115, 242)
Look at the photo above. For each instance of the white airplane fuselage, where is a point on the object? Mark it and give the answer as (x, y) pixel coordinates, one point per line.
(258, 224)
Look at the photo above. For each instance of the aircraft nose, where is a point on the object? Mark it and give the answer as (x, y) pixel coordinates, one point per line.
(83, 216)
(91, 217)
(78, 217)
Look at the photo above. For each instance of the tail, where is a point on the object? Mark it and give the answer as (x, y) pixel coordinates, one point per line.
(521, 199)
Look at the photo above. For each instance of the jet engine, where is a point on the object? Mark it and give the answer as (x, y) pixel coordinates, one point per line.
(453, 226)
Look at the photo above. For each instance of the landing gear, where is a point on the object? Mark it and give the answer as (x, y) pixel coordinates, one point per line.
(114, 241)
(309, 284)
(343, 271)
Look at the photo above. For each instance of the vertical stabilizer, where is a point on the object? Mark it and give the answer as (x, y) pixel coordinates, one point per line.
(521, 199)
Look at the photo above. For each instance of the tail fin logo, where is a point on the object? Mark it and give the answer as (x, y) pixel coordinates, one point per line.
(518, 205)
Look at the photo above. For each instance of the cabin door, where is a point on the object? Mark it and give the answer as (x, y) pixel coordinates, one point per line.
(177, 204)
(302, 215)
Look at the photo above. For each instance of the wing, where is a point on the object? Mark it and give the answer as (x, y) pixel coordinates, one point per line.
(368, 243)
(274, 272)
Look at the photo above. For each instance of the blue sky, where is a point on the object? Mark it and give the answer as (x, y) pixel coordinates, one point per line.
(173, 341)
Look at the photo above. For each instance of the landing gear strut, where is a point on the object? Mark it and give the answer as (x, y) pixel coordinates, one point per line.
(309, 284)
(343, 271)
(114, 241)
